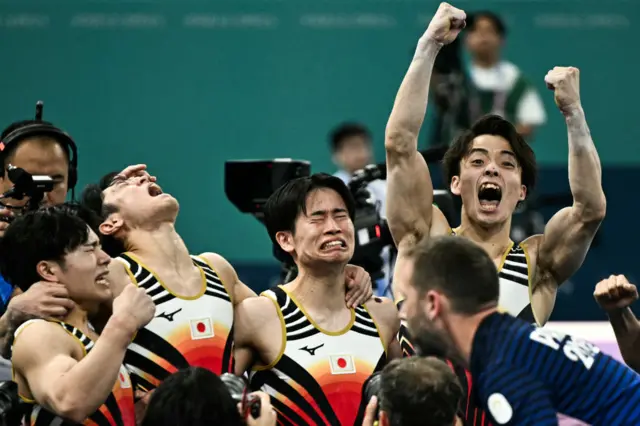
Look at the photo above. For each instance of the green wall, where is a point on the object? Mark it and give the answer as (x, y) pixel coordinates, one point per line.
(185, 85)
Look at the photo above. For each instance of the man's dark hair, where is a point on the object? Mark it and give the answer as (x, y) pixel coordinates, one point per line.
(46, 234)
(496, 21)
(194, 396)
(92, 199)
(419, 391)
(459, 269)
(6, 154)
(497, 126)
(287, 202)
(345, 131)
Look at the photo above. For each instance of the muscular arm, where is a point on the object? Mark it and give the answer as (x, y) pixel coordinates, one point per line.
(256, 326)
(568, 235)
(410, 190)
(385, 315)
(627, 330)
(72, 389)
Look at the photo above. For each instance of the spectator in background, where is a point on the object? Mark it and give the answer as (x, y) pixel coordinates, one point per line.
(498, 86)
(352, 150)
(417, 391)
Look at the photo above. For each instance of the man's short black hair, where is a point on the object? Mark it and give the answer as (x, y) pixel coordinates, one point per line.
(496, 21)
(6, 154)
(287, 202)
(92, 199)
(419, 391)
(194, 396)
(46, 234)
(459, 269)
(345, 131)
(497, 126)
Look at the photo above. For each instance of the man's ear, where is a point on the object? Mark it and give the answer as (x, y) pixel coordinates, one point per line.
(49, 270)
(112, 224)
(455, 185)
(523, 192)
(285, 240)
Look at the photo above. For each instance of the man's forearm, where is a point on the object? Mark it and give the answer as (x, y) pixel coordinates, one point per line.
(7, 328)
(627, 330)
(585, 172)
(410, 104)
(84, 388)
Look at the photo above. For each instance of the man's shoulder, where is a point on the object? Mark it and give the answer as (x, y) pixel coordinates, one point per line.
(38, 337)
(254, 311)
(220, 265)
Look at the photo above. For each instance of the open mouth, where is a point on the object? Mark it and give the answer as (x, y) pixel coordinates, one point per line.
(154, 190)
(333, 244)
(489, 196)
(101, 279)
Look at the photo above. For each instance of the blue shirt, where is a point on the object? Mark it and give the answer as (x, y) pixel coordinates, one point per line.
(526, 375)
(6, 290)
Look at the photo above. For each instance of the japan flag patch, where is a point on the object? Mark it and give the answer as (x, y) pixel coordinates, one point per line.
(123, 378)
(201, 328)
(342, 364)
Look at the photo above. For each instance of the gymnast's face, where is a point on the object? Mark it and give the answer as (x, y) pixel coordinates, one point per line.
(323, 232)
(136, 203)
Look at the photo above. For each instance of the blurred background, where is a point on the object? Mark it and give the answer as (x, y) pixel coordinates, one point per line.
(184, 85)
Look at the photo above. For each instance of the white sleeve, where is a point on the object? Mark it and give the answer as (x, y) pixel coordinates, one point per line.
(530, 110)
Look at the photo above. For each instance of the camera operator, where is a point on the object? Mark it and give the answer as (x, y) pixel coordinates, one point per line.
(196, 396)
(40, 149)
(415, 392)
(351, 150)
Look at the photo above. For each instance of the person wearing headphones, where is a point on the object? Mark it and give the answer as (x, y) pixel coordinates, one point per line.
(39, 148)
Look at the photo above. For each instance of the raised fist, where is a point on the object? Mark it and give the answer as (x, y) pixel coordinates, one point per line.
(565, 83)
(446, 24)
(134, 307)
(615, 293)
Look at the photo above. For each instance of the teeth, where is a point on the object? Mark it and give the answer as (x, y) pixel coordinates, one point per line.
(490, 185)
(333, 244)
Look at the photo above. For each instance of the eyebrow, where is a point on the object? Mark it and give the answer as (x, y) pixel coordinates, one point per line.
(324, 212)
(116, 179)
(92, 244)
(485, 152)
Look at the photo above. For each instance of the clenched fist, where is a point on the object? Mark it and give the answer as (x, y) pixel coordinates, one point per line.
(134, 307)
(565, 83)
(446, 24)
(615, 293)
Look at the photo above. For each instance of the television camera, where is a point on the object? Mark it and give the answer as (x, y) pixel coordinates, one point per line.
(26, 185)
(248, 185)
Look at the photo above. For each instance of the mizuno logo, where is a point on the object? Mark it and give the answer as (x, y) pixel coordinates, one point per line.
(168, 316)
(312, 351)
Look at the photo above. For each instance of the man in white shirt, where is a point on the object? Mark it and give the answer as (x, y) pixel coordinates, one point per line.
(498, 86)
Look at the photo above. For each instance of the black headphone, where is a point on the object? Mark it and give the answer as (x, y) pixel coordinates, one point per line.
(40, 128)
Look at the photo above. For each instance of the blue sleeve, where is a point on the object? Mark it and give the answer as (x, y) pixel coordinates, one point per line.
(6, 290)
(511, 396)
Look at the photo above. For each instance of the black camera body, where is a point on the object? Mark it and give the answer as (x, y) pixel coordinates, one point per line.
(11, 408)
(27, 185)
(372, 232)
(239, 390)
